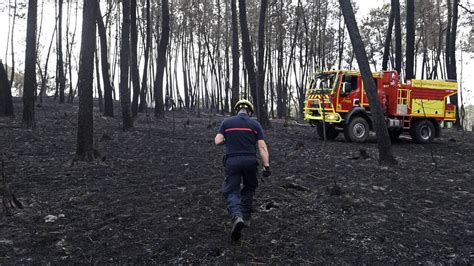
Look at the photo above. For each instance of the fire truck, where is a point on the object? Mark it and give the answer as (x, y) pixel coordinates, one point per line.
(336, 101)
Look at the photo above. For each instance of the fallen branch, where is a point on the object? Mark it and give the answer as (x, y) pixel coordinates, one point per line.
(294, 186)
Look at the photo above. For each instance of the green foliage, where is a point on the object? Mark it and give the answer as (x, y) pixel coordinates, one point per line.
(373, 30)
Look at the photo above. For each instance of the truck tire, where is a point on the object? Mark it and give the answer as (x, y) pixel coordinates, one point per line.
(357, 130)
(423, 131)
(331, 131)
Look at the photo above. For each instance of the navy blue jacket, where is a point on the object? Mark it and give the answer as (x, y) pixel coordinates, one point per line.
(241, 134)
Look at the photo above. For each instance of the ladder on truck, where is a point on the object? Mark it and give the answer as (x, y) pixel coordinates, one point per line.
(403, 100)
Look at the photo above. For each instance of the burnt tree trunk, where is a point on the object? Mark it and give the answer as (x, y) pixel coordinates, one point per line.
(60, 61)
(161, 60)
(104, 61)
(6, 102)
(3, 87)
(451, 55)
(235, 57)
(144, 88)
(448, 39)
(340, 46)
(434, 71)
(12, 73)
(383, 140)
(97, 75)
(134, 64)
(227, 59)
(69, 46)
(452, 74)
(410, 42)
(247, 53)
(398, 36)
(124, 67)
(85, 126)
(45, 76)
(30, 67)
(280, 90)
(261, 106)
(388, 38)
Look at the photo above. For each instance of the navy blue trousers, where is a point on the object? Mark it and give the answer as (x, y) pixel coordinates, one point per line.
(240, 170)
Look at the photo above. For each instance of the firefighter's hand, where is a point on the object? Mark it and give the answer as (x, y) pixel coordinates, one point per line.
(266, 171)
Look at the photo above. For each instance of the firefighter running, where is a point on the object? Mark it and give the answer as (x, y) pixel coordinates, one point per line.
(241, 135)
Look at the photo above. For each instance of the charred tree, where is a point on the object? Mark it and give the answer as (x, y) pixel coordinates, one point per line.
(448, 39)
(383, 140)
(144, 87)
(124, 67)
(235, 56)
(135, 76)
(12, 73)
(437, 59)
(3, 87)
(30, 67)
(69, 49)
(6, 102)
(388, 38)
(108, 88)
(280, 90)
(410, 41)
(454, 28)
(97, 75)
(451, 52)
(227, 42)
(85, 126)
(60, 61)
(451, 42)
(398, 36)
(262, 110)
(247, 51)
(161, 59)
(45, 76)
(249, 62)
(340, 46)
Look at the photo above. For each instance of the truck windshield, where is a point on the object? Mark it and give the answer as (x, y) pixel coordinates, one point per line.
(323, 83)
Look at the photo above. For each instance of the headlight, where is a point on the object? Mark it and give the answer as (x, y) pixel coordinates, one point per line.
(331, 117)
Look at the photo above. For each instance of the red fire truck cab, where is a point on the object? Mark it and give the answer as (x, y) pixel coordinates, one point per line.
(338, 99)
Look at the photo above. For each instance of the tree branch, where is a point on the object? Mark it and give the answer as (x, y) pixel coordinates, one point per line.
(466, 9)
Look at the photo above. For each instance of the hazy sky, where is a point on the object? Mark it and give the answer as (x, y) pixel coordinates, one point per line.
(365, 6)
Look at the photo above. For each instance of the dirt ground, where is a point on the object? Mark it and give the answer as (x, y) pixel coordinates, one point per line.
(153, 196)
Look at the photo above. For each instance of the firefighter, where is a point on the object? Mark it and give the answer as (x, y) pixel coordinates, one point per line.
(180, 102)
(167, 102)
(241, 135)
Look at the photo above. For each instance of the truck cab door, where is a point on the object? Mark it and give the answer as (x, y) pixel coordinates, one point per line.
(348, 92)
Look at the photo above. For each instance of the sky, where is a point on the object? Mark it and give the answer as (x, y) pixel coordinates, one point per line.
(367, 5)
(465, 62)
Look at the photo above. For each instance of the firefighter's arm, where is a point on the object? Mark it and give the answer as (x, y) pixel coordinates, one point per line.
(262, 148)
(219, 139)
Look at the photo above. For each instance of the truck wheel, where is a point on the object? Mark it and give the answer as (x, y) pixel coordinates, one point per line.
(331, 131)
(357, 130)
(423, 131)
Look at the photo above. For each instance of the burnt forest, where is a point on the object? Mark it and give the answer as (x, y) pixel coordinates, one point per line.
(114, 149)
